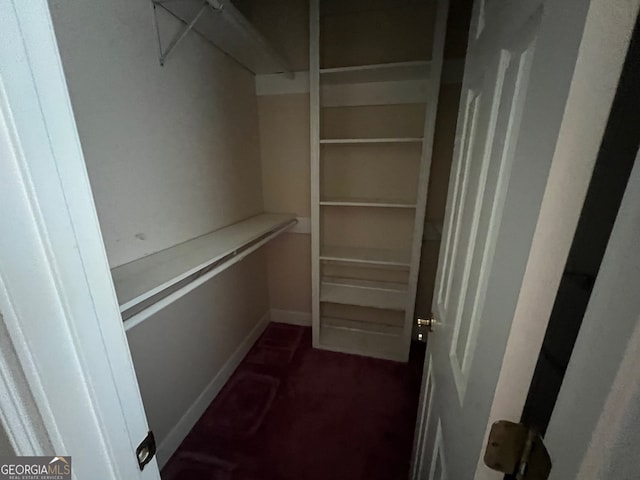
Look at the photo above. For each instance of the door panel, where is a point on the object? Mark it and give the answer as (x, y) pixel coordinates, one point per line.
(495, 89)
(490, 202)
(424, 421)
(483, 160)
(438, 465)
(518, 74)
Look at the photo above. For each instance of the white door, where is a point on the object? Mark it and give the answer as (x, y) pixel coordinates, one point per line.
(67, 384)
(528, 132)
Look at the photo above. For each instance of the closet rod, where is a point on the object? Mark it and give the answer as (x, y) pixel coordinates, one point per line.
(140, 312)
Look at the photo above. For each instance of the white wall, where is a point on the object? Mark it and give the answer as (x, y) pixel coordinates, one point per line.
(285, 155)
(172, 153)
(180, 350)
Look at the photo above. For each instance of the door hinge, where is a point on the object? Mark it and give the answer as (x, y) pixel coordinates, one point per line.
(146, 450)
(518, 450)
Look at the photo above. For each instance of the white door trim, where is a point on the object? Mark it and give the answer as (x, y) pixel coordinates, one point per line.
(57, 300)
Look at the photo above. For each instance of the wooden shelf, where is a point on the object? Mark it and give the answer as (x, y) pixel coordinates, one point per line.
(375, 256)
(225, 27)
(364, 293)
(370, 125)
(360, 338)
(365, 202)
(358, 326)
(385, 72)
(370, 140)
(141, 279)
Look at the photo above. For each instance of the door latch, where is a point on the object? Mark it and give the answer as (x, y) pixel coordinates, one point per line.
(146, 450)
(424, 327)
(516, 449)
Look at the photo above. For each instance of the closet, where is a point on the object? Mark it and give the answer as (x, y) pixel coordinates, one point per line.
(375, 74)
(185, 108)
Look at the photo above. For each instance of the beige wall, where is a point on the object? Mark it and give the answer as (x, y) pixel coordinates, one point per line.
(437, 195)
(181, 349)
(368, 34)
(289, 260)
(442, 151)
(284, 148)
(285, 24)
(172, 152)
(455, 48)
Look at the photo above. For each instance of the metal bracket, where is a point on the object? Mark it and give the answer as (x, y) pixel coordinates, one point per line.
(516, 449)
(215, 5)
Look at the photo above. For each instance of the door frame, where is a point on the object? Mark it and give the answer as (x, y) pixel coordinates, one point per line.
(607, 29)
(64, 363)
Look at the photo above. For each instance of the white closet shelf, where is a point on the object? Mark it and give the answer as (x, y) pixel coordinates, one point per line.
(220, 23)
(366, 202)
(360, 326)
(364, 293)
(371, 140)
(384, 72)
(141, 279)
(375, 256)
(360, 338)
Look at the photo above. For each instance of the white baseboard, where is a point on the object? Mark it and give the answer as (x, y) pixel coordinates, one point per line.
(291, 317)
(178, 433)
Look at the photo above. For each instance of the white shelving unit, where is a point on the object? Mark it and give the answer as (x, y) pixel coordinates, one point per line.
(364, 308)
(374, 256)
(364, 293)
(383, 72)
(342, 335)
(146, 284)
(370, 140)
(365, 202)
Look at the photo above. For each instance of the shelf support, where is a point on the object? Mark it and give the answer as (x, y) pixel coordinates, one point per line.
(162, 56)
(230, 15)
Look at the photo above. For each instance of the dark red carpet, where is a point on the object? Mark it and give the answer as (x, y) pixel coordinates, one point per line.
(290, 412)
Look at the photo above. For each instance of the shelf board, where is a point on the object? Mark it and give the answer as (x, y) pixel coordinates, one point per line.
(375, 256)
(141, 279)
(230, 32)
(360, 326)
(366, 202)
(370, 140)
(359, 338)
(385, 72)
(364, 293)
